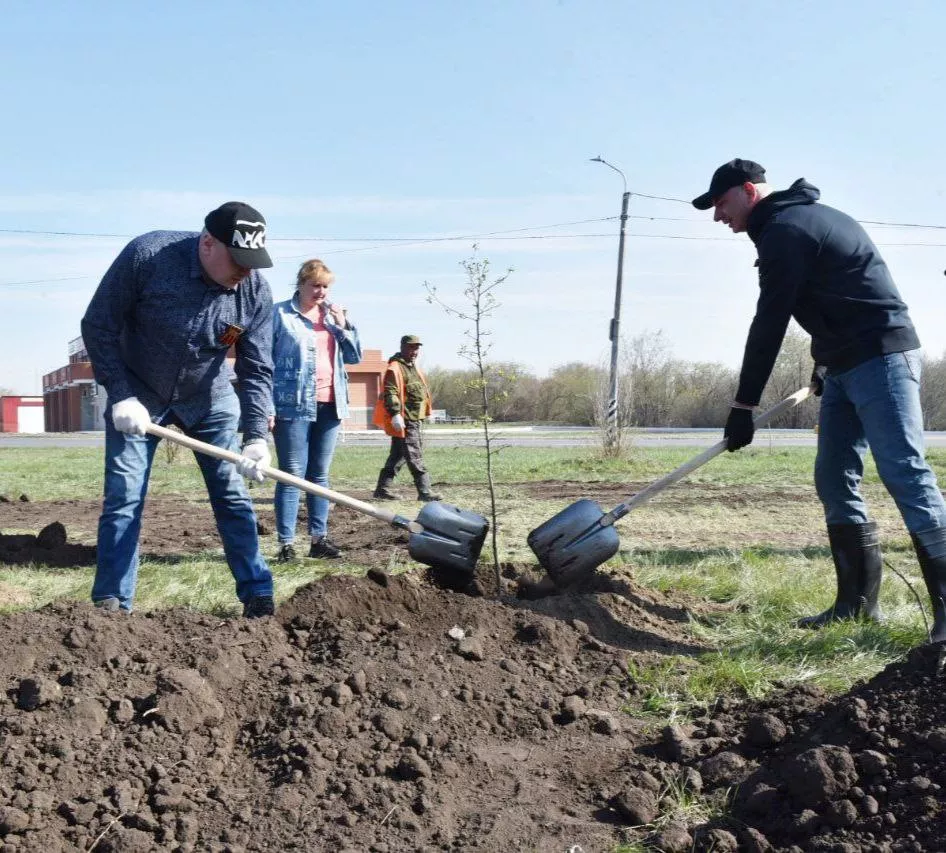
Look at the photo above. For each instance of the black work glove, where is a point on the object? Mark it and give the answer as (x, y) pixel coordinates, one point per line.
(739, 428)
(817, 379)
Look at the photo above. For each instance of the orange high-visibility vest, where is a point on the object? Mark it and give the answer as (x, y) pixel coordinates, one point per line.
(382, 417)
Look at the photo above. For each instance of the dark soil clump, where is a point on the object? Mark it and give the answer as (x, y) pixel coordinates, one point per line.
(49, 547)
(862, 772)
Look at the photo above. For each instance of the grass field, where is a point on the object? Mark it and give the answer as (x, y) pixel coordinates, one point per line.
(745, 531)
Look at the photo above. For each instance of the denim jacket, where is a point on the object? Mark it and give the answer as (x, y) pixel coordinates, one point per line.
(294, 362)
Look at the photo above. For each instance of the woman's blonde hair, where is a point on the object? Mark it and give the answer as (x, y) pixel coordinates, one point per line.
(314, 270)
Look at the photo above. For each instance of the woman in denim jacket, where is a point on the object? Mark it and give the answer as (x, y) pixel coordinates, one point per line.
(313, 340)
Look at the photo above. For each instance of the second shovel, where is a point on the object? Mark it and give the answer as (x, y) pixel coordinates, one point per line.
(575, 541)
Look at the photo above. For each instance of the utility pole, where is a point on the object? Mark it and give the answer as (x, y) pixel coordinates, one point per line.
(611, 432)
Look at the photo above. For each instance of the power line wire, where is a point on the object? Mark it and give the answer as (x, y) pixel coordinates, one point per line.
(660, 197)
(446, 238)
(901, 224)
(323, 239)
(490, 239)
(881, 223)
(493, 239)
(407, 242)
(39, 233)
(62, 233)
(44, 280)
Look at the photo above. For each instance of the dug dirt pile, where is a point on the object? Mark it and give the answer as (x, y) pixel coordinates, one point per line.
(379, 715)
(863, 772)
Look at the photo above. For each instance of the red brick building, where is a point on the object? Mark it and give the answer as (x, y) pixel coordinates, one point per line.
(364, 386)
(74, 401)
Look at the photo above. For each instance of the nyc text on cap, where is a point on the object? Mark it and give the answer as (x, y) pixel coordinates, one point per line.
(242, 230)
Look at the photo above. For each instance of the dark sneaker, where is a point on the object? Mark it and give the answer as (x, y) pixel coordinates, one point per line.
(109, 605)
(324, 547)
(385, 495)
(287, 553)
(259, 605)
(426, 497)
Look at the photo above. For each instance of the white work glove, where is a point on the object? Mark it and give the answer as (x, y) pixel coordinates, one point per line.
(255, 456)
(130, 416)
(397, 421)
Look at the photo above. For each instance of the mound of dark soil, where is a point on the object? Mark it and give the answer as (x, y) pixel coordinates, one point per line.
(367, 717)
(863, 772)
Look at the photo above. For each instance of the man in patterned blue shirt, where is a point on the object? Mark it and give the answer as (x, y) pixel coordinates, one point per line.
(157, 332)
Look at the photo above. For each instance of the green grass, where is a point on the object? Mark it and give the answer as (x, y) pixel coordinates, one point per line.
(77, 472)
(745, 533)
(755, 645)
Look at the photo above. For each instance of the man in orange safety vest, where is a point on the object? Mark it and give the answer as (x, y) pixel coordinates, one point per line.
(403, 406)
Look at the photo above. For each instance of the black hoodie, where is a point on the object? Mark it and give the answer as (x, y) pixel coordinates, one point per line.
(818, 265)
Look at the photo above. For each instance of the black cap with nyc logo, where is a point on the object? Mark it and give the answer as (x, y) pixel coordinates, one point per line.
(242, 230)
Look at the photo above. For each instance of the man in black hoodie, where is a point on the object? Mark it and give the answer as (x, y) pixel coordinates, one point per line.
(819, 266)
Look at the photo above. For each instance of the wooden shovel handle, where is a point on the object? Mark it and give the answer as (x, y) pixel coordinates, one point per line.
(689, 467)
(288, 479)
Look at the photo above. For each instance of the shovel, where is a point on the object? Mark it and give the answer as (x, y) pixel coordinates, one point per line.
(442, 537)
(573, 543)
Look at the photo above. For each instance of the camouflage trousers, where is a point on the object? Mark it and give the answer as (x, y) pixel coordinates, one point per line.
(408, 450)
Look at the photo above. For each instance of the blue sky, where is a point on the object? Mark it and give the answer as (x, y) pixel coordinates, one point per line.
(369, 121)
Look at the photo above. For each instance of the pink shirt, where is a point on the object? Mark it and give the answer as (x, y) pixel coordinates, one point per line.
(324, 363)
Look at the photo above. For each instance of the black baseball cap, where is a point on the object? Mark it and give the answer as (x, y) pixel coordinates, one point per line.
(732, 174)
(242, 230)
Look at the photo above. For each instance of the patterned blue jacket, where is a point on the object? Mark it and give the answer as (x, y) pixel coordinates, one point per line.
(294, 362)
(156, 329)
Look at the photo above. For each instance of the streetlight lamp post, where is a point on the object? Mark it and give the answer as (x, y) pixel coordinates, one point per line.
(611, 421)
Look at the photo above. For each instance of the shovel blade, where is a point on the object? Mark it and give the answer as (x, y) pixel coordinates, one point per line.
(573, 543)
(451, 540)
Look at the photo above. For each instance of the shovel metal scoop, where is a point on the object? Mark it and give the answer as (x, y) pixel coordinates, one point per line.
(573, 543)
(443, 536)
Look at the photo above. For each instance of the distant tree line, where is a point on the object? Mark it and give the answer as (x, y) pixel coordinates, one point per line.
(655, 389)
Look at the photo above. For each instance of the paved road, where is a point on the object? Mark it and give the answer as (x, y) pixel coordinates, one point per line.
(510, 436)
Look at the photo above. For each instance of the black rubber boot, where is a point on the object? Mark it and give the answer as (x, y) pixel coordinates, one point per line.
(383, 490)
(858, 565)
(931, 552)
(422, 481)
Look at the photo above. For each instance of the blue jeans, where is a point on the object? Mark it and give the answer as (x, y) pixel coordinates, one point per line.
(305, 449)
(128, 460)
(876, 404)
